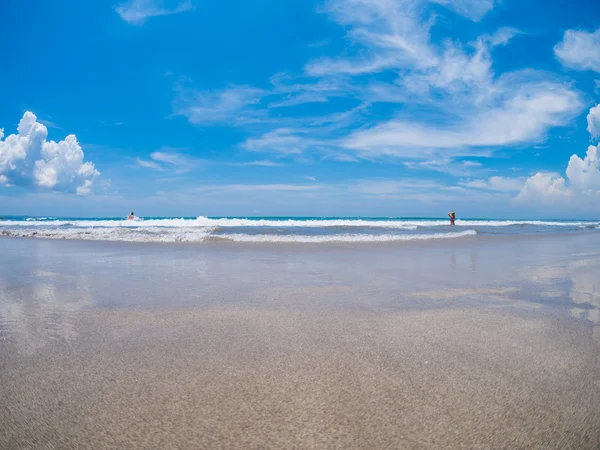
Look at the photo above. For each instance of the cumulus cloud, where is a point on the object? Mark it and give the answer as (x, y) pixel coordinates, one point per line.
(579, 50)
(580, 188)
(136, 12)
(593, 121)
(27, 158)
(584, 174)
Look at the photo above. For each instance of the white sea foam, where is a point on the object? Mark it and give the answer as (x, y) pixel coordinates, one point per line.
(284, 223)
(115, 234)
(343, 237)
(206, 222)
(202, 234)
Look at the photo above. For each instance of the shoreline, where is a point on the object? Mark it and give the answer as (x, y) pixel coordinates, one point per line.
(213, 242)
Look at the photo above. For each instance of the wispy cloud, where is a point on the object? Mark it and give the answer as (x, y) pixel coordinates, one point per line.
(449, 166)
(136, 12)
(234, 104)
(148, 164)
(261, 163)
(168, 159)
(49, 124)
(443, 100)
(496, 183)
(241, 105)
(522, 115)
(260, 187)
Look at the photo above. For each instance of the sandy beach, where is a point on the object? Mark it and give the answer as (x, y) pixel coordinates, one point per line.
(488, 343)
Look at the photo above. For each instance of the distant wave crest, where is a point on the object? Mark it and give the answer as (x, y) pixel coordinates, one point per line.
(201, 221)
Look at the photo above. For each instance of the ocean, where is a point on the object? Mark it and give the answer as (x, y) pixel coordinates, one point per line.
(279, 229)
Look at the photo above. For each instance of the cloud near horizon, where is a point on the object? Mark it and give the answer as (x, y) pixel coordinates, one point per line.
(580, 188)
(27, 158)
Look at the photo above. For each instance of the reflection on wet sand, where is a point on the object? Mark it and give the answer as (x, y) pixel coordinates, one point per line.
(37, 313)
(582, 285)
(585, 291)
(445, 346)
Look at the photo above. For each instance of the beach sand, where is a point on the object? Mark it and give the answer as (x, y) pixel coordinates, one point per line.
(489, 344)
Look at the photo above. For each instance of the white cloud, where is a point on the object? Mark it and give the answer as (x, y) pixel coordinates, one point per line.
(174, 159)
(233, 104)
(421, 190)
(260, 187)
(495, 183)
(580, 189)
(393, 29)
(579, 50)
(449, 102)
(545, 187)
(148, 164)
(584, 174)
(136, 12)
(502, 36)
(28, 158)
(261, 163)
(49, 124)
(244, 105)
(449, 166)
(282, 140)
(593, 121)
(167, 158)
(472, 9)
(521, 117)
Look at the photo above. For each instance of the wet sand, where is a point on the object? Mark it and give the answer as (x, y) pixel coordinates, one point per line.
(470, 345)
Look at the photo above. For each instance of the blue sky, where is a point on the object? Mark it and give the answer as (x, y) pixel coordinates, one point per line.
(330, 107)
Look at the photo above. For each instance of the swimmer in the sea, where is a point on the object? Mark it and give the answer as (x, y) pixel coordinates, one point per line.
(452, 216)
(131, 216)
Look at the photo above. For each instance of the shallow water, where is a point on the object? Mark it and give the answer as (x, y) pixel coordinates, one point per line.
(464, 343)
(309, 230)
(42, 280)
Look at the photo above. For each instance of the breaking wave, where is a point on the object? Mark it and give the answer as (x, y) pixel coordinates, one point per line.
(344, 237)
(201, 221)
(204, 234)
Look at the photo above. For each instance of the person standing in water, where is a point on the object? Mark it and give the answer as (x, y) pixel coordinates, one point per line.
(452, 216)
(131, 216)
